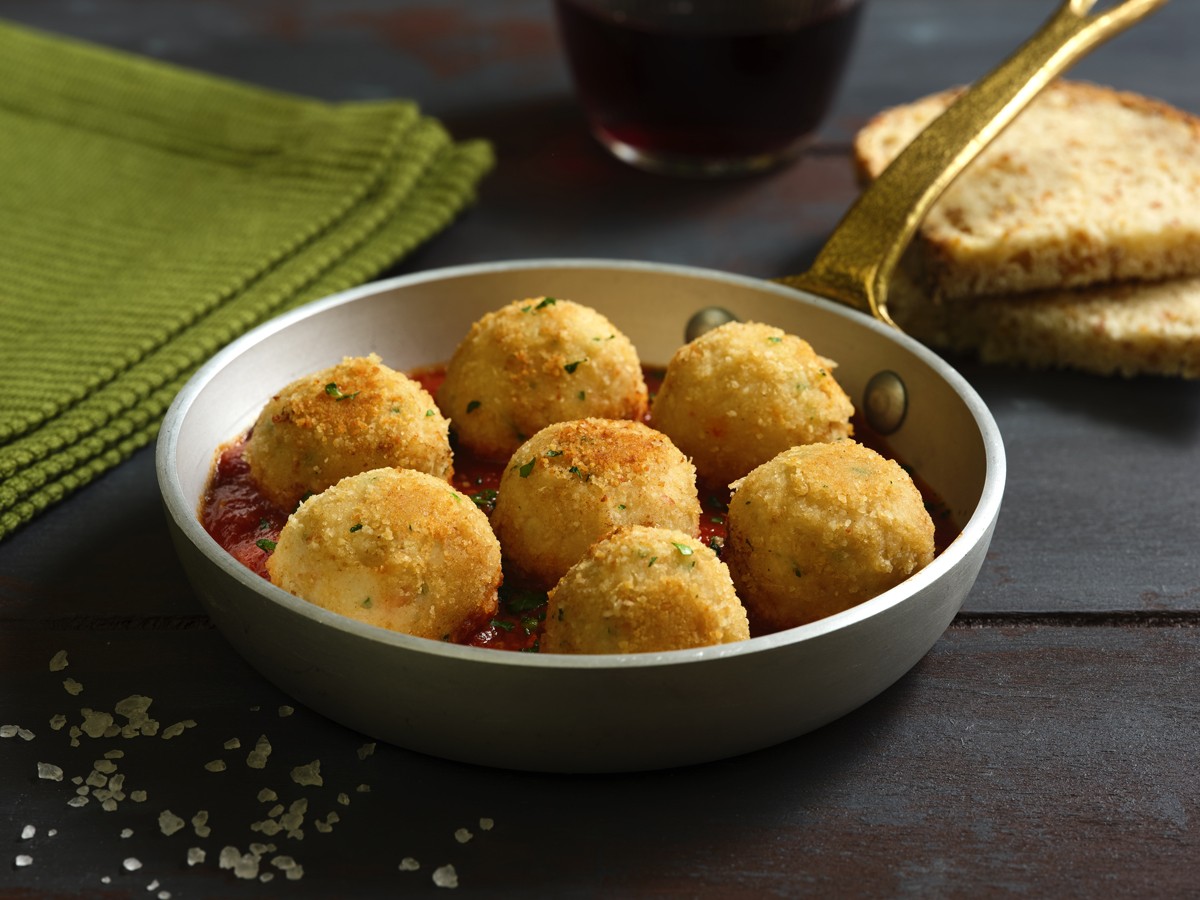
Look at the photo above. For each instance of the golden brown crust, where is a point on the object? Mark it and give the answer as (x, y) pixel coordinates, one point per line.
(744, 392)
(641, 590)
(534, 362)
(395, 548)
(573, 482)
(349, 418)
(821, 528)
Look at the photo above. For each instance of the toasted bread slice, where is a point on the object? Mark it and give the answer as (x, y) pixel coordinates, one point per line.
(1127, 329)
(1088, 185)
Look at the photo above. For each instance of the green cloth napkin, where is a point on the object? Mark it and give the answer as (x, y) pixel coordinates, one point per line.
(150, 214)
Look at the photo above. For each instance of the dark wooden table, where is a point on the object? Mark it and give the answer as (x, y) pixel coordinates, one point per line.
(1049, 745)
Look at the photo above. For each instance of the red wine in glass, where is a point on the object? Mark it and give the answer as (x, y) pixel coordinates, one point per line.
(706, 87)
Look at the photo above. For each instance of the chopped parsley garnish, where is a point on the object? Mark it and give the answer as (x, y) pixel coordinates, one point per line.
(572, 366)
(796, 571)
(357, 526)
(367, 603)
(520, 602)
(583, 395)
(473, 405)
(264, 525)
(264, 544)
(546, 301)
(553, 453)
(526, 469)
(774, 339)
(336, 392)
(485, 499)
(653, 560)
(428, 412)
(684, 549)
(501, 624)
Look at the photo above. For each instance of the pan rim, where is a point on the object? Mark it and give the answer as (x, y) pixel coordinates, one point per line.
(181, 509)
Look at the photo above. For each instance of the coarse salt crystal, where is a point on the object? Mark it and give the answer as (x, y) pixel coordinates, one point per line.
(57, 721)
(72, 687)
(216, 765)
(309, 774)
(133, 706)
(487, 824)
(195, 855)
(408, 864)
(200, 823)
(95, 722)
(8, 731)
(266, 795)
(77, 801)
(366, 750)
(132, 864)
(232, 744)
(58, 661)
(23, 859)
(169, 823)
(285, 711)
(257, 758)
(49, 772)
(25, 734)
(27, 832)
(152, 886)
(343, 798)
(462, 835)
(445, 877)
(138, 796)
(126, 832)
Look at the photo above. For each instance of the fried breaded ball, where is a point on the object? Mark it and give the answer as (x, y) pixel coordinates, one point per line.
(573, 482)
(535, 362)
(741, 393)
(352, 417)
(395, 548)
(820, 528)
(642, 590)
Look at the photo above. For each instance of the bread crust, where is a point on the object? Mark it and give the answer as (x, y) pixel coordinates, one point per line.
(1118, 329)
(1088, 185)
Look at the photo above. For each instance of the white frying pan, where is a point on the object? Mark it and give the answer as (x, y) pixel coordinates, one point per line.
(642, 711)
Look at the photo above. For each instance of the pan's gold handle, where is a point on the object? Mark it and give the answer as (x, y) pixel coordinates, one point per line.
(858, 260)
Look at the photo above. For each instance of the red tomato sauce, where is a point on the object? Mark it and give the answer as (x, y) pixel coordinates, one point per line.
(240, 519)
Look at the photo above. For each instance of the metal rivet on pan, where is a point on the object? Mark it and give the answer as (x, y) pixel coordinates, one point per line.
(885, 402)
(706, 320)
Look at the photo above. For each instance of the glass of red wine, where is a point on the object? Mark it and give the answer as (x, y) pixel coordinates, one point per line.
(706, 87)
